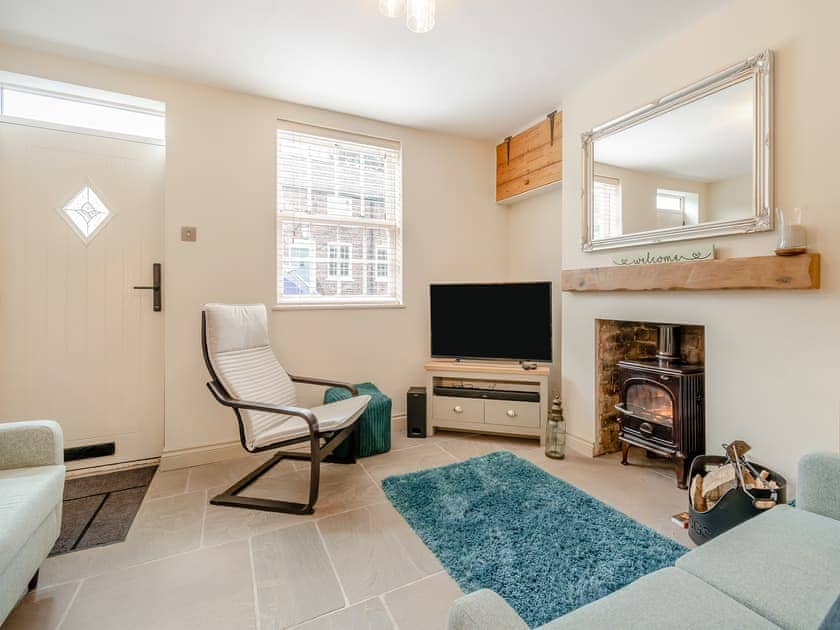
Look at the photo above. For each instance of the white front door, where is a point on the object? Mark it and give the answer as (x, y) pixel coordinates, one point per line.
(78, 344)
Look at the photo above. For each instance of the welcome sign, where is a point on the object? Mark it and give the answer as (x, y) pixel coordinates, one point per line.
(666, 255)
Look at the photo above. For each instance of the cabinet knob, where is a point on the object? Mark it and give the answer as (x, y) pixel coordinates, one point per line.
(511, 413)
(458, 409)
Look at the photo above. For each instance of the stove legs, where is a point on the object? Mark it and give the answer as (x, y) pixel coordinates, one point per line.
(625, 448)
(680, 468)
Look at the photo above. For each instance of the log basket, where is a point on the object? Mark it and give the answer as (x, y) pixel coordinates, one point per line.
(733, 508)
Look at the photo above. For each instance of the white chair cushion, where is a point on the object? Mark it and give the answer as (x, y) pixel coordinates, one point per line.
(331, 417)
(235, 327)
(27, 497)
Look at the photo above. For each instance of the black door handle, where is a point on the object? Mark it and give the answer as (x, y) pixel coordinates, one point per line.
(155, 288)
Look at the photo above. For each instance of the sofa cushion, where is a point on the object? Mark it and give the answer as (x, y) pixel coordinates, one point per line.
(666, 599)
(27, 497)
(783, 564)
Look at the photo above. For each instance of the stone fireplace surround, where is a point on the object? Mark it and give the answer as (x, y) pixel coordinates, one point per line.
(617, 340)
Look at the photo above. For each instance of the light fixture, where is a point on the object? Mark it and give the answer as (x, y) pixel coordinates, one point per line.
(391, 8)
(420, 16)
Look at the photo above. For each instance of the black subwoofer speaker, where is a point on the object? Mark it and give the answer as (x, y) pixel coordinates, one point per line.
(415, 414)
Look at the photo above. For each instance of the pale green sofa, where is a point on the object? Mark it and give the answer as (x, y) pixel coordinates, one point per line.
(31, 489)
(780, 569)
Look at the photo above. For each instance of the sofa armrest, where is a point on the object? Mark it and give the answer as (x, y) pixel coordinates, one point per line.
(818, 488)
(483, 610)
(30, 443)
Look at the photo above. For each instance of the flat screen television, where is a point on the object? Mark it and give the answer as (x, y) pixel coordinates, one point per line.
(491, 321)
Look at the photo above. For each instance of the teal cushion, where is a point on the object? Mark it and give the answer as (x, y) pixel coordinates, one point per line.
(666, 599)
(375, 422)
(784, 564)
(818, 487)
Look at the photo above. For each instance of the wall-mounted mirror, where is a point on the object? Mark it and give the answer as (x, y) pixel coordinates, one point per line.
(694, 164)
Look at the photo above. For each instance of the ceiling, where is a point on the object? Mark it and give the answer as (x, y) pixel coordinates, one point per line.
(487, 69)
(708, 140)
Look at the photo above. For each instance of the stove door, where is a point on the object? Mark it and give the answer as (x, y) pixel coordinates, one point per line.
(648, 409)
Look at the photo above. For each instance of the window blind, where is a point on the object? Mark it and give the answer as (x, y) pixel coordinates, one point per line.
(606, 218)
(339, 210)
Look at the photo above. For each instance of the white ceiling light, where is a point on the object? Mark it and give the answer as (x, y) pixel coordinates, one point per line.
(420, 17)
(391, 8)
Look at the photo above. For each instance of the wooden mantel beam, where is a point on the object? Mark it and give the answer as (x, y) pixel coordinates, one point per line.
(759, 272)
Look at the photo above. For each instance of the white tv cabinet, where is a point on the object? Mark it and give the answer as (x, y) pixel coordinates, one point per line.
(487, 414)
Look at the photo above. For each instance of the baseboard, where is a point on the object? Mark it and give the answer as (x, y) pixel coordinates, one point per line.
(579, 445)
(208, 454)
(106, 468)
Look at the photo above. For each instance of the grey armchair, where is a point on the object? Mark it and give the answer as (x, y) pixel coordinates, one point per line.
(247, 377)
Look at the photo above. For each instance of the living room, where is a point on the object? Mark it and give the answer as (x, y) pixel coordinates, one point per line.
(477, 134)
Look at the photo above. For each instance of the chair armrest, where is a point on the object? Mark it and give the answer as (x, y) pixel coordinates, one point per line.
(31, 443)
(818, 484)
(300, 412)
(326, 382)
(483, 610)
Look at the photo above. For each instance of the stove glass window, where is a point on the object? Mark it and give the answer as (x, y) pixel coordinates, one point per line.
(650, 402)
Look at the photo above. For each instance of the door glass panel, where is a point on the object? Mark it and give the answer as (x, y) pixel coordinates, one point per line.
(650, 402)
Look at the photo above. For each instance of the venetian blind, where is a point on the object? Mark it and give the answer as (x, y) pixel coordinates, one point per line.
(339, 211)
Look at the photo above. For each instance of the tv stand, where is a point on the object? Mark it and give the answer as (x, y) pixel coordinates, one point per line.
(500, 398)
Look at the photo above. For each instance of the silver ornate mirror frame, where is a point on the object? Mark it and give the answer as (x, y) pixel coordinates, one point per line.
(759, 68)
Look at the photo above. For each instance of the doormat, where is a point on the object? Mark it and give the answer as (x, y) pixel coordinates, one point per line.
(545, 546)
(99, 509)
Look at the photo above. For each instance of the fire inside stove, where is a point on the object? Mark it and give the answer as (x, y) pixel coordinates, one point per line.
(650, 403)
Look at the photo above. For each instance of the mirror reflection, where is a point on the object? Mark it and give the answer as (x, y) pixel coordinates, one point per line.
(688, 166)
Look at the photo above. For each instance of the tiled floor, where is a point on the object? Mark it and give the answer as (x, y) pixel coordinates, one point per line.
(355, 563)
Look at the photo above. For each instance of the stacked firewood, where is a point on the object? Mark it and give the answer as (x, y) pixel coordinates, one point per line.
(706, 490)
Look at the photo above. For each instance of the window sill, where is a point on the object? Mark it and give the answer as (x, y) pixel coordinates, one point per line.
(336, 306)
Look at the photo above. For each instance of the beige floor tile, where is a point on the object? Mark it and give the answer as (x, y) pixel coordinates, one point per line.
(208, 589)
(407, 460)
(342, 488)
(42, 609)
(228, 472)
(168, 483)
(162, 527)
(424, 605)
(295, 581)
(462, 446)
(374, 550)
(368, 615)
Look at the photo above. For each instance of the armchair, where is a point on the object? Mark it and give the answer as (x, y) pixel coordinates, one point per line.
(247, 378)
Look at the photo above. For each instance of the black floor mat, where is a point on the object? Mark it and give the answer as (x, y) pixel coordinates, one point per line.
(99, 509)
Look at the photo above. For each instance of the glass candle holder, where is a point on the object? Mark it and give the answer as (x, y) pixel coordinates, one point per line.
(793, 237)
(555, 433)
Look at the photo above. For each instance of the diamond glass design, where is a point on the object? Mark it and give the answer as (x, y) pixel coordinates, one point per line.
(86, 213)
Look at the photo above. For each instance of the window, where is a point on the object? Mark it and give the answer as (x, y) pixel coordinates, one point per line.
(339, 218)
(338, 265)
(675, 208)
(52, 104)
(606, 220)
(382, 255)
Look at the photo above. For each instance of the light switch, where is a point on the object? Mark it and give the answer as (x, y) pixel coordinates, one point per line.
(188, 233)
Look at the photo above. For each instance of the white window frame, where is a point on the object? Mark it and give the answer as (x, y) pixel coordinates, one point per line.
(618, 218)
(393, 227)
(59, 92)
(338, 260)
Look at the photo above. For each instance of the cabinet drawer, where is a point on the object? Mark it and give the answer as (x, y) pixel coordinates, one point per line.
(459, 409)
(520, 414)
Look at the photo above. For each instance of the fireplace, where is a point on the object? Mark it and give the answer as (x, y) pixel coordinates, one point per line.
(661, 408)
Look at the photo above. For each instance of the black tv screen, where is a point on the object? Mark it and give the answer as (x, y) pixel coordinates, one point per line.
(492, 321)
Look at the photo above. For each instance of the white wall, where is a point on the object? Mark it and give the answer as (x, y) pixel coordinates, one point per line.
(220, 177)
(771, 356)
(534, 254)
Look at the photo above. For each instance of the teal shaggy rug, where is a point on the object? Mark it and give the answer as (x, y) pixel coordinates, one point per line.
(547, 547)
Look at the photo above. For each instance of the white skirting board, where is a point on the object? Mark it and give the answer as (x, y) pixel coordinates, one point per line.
(210, 453)
(580, 445)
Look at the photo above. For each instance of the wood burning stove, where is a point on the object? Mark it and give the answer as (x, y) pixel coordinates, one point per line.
(662, 405)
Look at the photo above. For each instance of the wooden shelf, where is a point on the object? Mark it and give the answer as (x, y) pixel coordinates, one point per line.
(533, 160)
(759, 272)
